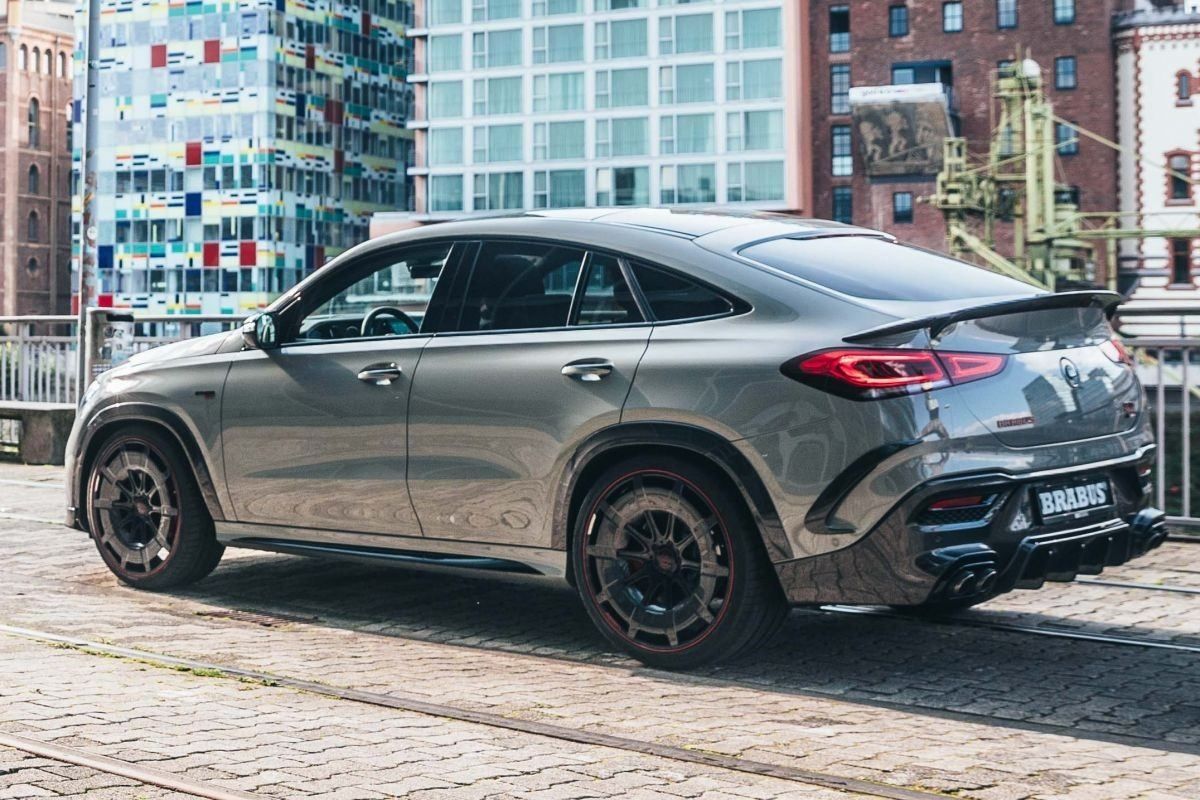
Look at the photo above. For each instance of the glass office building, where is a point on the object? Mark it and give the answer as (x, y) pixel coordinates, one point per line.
(564, 103)
(242, 144)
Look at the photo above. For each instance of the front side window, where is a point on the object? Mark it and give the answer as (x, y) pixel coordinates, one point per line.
(519, 286)
(952, 17)
(384, 297)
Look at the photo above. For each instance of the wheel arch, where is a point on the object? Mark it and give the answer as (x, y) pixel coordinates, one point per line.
(620, 441)
(115, 418)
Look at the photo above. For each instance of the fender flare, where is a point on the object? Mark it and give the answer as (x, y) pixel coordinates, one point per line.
(146, 413)
(704, 444)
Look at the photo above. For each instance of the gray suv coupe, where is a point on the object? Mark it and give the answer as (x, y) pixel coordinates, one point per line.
(698, 419)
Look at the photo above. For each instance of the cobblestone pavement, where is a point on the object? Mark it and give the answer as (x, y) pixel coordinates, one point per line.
(971, 711)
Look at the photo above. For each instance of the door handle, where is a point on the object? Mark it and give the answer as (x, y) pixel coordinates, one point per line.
(380, 374)
(588, 369)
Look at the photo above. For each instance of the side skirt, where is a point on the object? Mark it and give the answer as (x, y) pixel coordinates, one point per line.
(402, 549)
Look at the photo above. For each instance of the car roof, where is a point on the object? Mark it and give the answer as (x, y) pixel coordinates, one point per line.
(718, 230)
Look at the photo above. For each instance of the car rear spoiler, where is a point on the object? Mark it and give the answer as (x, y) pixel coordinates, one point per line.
(936, 323)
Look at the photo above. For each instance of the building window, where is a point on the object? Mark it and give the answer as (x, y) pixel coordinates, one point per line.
(624, 38)
(752, 28)
(1065, 139)
(691, 33)
(952, 16)
(444, 12)
(843, 204)
(898, 21)
(1065, 76)
(1183, 88)
(1064, 11)
(31, 265)
(33, 232)
(843, 159)
(499, 191)
(23, 58)
(503, 48)
(839, 81)
(623, 186)
(1179, 178)
(34, 179)
(3, 56)
(36, 64)
(1006, 13)
(446, 193)
(1181, 261)
(687, 183)
(754, 181)
(35, 123)
(559, 189)
(839, 29)
(902, 207)
(62, 65)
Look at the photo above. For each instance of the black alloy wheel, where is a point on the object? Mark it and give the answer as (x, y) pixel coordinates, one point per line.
(145, 512)
(669, 567)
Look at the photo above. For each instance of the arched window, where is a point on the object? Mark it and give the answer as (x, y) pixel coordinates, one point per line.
(49, 62)
(23, 58)
(34, 232)
(34, 179)
(32, 265)
(35, 122)
(37, 61)
(1179, 178)
(62, 65)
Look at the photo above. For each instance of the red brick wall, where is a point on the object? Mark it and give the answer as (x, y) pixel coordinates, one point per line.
(974, 53)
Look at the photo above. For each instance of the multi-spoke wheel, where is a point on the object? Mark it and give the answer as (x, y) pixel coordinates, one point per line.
(669, 565)
(145, 512)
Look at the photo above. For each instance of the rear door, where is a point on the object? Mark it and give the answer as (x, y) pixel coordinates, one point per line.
(540, 353)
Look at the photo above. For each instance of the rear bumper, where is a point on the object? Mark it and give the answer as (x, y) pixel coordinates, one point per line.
(904, 560)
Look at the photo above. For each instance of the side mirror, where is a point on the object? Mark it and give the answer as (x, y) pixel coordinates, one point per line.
(260, 332)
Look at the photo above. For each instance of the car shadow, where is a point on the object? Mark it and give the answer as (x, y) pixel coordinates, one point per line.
(1094, 690)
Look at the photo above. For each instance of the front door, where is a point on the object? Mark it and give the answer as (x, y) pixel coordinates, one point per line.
(315, 432)
(541, 354)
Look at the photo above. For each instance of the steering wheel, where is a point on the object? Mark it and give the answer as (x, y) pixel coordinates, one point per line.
(386, 311)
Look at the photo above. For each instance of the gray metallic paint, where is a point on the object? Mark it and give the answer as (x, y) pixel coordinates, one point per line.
(494, 436)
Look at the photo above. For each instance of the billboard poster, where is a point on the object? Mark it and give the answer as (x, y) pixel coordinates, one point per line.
(900, 129)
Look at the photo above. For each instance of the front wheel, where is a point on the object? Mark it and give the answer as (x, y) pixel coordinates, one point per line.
(145, 512)
(670, 565)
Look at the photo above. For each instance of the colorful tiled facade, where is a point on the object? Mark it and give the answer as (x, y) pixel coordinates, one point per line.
(242, 144)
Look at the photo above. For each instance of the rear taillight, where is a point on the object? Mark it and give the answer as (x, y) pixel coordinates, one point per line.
(1115, 349)
(875, 373)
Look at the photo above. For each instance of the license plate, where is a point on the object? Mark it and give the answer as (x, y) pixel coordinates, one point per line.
(1069, 499)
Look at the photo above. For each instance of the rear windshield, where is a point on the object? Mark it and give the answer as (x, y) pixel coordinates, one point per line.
(878, 269)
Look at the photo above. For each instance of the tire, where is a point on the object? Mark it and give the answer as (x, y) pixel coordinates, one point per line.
(671, 567)
(145, 512)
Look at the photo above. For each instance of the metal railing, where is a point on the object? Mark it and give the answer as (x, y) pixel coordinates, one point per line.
(39, 354)
(38, 364)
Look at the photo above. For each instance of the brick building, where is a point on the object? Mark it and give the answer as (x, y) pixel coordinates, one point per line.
(36, 41)
(960, 44)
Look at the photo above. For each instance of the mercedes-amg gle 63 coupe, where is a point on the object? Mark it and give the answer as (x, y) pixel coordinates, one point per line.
(697, 419)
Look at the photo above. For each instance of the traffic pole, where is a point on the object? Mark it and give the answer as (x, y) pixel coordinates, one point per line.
(90, 168)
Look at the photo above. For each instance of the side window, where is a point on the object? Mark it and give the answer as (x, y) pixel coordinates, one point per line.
(606, 298)
(673, 297)
(518, 286)
(385, 296)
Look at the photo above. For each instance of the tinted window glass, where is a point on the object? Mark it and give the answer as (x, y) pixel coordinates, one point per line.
(877, 269)
(520, 285)
(606, 297)
(382, 297)
(674, 297)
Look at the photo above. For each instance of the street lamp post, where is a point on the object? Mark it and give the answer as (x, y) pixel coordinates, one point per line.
(88, 255)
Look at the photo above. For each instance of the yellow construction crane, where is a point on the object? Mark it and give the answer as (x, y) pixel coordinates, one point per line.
(1052, 240)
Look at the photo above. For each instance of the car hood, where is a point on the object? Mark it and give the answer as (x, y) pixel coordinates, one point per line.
(198, 346)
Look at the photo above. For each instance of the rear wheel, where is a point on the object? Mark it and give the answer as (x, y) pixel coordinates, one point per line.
(670, 566)
(146, 514)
